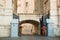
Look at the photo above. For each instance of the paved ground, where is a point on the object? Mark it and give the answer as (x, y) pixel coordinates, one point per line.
(31, 38)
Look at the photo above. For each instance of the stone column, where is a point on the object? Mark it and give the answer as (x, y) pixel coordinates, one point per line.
(53, 12)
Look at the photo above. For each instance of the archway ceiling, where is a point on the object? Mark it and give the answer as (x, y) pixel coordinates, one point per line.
(30, 21)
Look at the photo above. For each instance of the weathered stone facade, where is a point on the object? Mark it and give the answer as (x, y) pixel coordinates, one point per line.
(52, 6)
(5, 17)
(28, 10)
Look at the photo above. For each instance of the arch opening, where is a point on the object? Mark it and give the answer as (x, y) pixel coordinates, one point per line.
(28, 27)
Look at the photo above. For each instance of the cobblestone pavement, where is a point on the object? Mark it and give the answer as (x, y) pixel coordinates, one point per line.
(30, 38)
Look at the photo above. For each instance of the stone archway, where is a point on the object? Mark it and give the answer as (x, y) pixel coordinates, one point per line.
(27, 25)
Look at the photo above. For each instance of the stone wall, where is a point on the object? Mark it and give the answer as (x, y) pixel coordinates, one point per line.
(25, 6)
(28, 17)
(5, 17)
